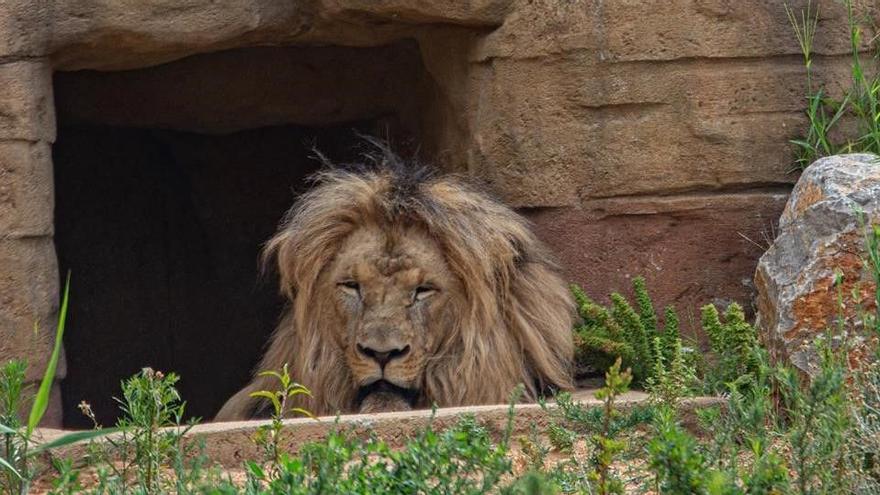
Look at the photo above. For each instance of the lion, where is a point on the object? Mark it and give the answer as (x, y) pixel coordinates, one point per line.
(408, 289)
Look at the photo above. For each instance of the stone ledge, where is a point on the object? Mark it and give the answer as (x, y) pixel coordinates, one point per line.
(229, 444)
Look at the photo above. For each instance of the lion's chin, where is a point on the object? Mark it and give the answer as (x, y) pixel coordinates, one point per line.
(383, 396)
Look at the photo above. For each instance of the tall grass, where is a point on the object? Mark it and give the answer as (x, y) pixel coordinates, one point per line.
(18, 447)
(859, 104)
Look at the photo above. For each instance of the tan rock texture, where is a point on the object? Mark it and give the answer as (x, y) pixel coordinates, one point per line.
(642, 137)
(821, 237)
(26, 196)
(29, 299)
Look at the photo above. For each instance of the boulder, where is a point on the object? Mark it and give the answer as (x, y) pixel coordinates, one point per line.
(821, 239)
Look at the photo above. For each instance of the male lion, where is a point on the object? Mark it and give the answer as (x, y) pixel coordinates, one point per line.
(406, 290)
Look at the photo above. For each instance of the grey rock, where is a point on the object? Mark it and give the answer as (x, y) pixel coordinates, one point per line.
(821, 237)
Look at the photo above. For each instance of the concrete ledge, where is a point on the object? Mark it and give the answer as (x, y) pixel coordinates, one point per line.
(229, 444)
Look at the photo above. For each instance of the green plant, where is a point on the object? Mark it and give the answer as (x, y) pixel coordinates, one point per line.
(152, 415)
(599, 339)
(561, 438)
(460, 460)
(818, 418)
(534, 448)
(18, 444)
(673, 377)
(605, 445)
(270, 436)
(872, 265)
(732, 341)
(604, 334)
(531, 483)
(674, 457)
(861, 100)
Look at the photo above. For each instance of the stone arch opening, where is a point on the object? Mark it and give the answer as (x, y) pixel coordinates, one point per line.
(168, 179)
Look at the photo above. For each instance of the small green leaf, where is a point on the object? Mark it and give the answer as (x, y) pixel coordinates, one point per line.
(271, 373)
(302, 411)
(268, 395)
(298, 391)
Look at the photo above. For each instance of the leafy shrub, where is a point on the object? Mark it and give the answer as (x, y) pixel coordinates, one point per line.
(459, 460)
(604, 334)
(673, 377)
(675, 458)
(733, 342)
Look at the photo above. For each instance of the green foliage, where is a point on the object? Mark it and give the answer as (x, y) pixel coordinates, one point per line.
(621, 331)
(818, 419)
(561, 438)
(586, 420)
(269, 436)
(860, 103)
(599, 338)
(733, 342)
(532, 483)
(16, 468)
(675, 458)
(11, 392)
(670, 339)
(635, 334)
(150, 441)
(872, 265)
(462, 459)
(647, 315)
(671, 380)
(605, 445)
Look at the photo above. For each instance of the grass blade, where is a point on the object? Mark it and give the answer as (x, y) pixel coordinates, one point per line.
(72, 438)
(5, 464)
(41, 401)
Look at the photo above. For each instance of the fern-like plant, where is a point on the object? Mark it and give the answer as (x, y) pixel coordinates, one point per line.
(733, 342)
(598, 337)
(604, 334)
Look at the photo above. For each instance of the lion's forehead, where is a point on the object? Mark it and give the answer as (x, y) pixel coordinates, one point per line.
(404, 255)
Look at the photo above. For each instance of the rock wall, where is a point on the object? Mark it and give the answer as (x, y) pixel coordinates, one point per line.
(643, 137)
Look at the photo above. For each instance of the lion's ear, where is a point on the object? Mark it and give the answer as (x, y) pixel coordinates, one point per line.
(280, 252)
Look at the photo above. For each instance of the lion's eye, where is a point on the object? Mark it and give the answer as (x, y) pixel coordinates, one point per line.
(423, 292)
(350, 287)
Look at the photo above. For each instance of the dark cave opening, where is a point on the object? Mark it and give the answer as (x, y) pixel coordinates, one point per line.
(165, 195)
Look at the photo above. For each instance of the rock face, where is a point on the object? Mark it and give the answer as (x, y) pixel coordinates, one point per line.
(821, 238)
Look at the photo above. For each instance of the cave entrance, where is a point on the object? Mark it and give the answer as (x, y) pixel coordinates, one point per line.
(169, 179)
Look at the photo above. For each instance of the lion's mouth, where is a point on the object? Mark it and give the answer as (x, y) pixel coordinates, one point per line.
(384, 395)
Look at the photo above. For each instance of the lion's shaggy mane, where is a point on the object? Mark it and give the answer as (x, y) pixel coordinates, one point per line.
(517, 328)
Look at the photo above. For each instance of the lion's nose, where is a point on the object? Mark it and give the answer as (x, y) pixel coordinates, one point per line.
(383, 356)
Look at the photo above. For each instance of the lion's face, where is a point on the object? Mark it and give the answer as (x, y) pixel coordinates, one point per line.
(393, 298)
